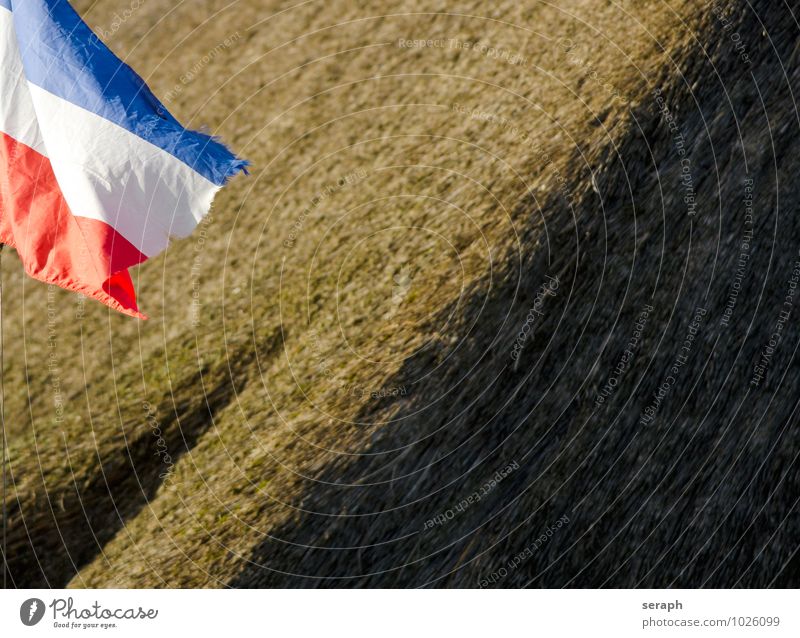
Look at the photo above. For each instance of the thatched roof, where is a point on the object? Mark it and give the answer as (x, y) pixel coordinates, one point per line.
(363, 382)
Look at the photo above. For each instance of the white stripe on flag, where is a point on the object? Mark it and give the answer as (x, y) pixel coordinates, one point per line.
(107, 173)
(17, 117)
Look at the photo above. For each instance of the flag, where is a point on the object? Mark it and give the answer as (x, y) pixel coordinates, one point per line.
(95, 174)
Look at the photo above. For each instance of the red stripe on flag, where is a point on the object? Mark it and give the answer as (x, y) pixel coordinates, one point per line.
(77, 253)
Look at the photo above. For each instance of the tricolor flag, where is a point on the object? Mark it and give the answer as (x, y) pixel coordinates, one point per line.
(95, 174)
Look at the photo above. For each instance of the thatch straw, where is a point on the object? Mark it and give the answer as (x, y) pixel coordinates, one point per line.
(388, 404)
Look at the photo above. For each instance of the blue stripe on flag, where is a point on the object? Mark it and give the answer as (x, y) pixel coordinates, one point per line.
(62, 55)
